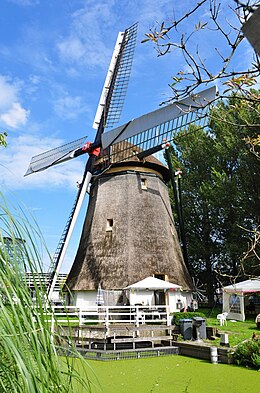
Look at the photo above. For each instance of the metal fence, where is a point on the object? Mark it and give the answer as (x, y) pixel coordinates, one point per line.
(121, 354)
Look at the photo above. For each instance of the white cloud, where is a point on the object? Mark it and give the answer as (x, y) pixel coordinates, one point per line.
(25, 3)
(92, 32)
(33, 85)
(8, 92)
(72, 49)
(16, 158)
(154, 11)
(12, 114)
(16, 116)
(87, 39)
(68, 107)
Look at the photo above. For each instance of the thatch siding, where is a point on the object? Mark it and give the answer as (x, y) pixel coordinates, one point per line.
(142, 240)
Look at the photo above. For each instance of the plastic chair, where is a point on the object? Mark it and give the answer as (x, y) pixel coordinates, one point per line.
(222, 318)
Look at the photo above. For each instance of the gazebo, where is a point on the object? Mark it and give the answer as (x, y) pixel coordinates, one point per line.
(238, 298)
(153, 291)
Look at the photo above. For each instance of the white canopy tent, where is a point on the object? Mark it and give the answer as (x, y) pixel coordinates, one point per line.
(146, 292)
(234, 297)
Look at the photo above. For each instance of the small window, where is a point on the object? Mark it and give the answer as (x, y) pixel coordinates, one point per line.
(143, 183)
(110, 224)
(161, 276)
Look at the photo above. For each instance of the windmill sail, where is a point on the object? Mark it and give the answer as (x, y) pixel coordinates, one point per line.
(54, 156)
(141, 134)
(153, 129)
(110, 104)
(52, 269)
(180, 109)
(117, 79)
(116, 90)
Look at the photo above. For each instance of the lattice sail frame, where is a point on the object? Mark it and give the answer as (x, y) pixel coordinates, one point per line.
(152, 137)
(178, 117)
(122, 79)
(139, 135)
(54, 156)
(124, 52)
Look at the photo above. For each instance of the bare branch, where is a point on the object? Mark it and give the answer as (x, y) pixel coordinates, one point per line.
(199, 72)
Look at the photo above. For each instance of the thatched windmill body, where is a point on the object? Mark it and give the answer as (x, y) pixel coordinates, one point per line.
(129, 232)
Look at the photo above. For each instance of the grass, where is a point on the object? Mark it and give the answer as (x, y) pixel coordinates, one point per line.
(237, 331)
(173, 374)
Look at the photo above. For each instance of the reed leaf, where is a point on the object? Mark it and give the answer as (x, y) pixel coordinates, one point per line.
(29, 361)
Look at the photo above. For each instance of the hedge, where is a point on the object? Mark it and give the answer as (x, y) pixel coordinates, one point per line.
(185, 315)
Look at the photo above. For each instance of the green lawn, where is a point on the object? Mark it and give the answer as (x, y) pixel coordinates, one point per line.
(172, 374)
(237, 331)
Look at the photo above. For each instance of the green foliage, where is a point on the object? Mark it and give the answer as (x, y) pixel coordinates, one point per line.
(28, 356)
(248, 354)
(220, 190)
(256, 360)
(185, 315)
(3, 136)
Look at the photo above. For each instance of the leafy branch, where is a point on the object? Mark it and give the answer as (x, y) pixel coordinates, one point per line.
(3, 136)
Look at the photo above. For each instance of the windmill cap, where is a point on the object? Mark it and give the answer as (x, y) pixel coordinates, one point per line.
(149, 162)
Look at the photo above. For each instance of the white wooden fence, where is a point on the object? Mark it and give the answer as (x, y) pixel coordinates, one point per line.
(109, 315)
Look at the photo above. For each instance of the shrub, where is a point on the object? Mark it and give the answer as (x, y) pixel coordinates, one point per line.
(256, 360)
(185, 315)
(248, 354)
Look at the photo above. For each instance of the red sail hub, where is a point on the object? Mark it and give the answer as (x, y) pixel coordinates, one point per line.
(90, 150)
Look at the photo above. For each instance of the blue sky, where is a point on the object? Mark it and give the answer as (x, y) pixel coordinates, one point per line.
(54, 56)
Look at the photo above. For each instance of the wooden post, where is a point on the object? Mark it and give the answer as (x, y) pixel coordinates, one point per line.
(168, 315)
(107, 317)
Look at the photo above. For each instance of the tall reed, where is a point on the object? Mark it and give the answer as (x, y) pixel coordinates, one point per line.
(29, 361)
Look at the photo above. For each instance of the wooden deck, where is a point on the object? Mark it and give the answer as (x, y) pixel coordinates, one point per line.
(120, 336)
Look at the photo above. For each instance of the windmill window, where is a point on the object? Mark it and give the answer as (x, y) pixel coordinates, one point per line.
(143, 183)
(161, 276)
(110, 223)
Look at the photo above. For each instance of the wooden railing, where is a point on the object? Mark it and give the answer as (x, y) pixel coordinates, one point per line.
(107, 315)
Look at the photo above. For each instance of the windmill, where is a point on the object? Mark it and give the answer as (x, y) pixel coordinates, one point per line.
(114, 152)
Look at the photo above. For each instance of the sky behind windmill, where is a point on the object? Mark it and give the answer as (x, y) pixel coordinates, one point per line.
(54, 58)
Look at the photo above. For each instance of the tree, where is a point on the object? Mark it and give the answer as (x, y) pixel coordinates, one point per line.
(220, 191)
(220, 186)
